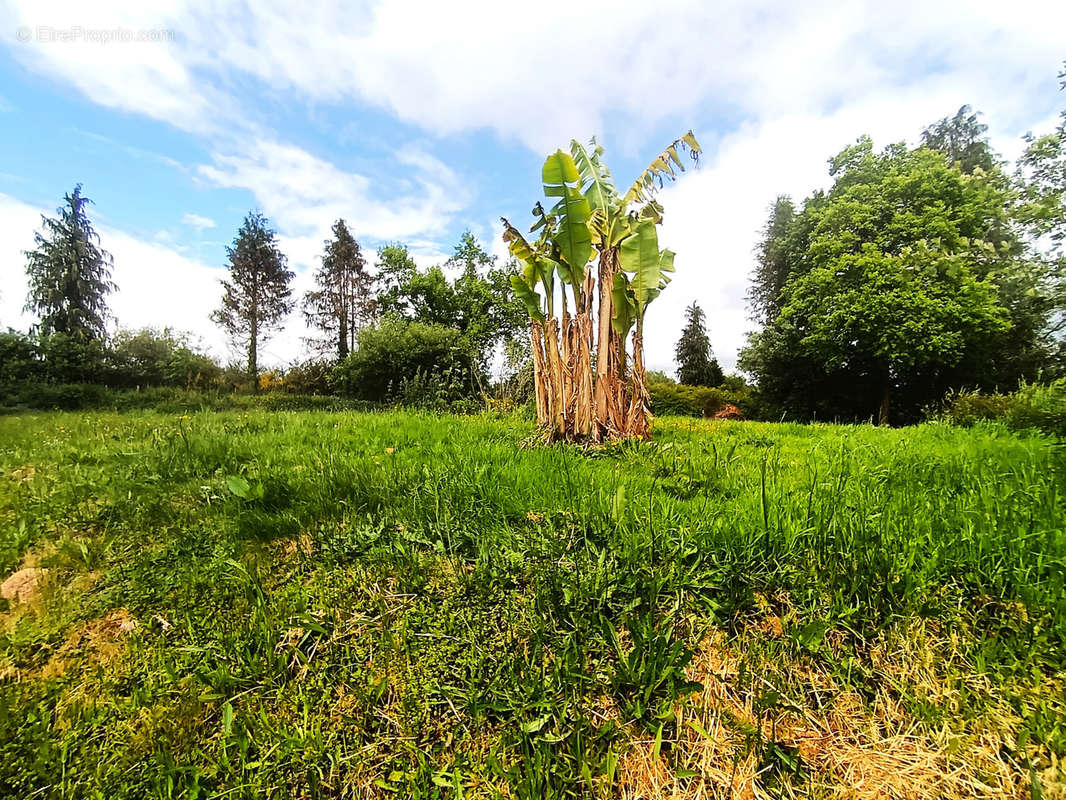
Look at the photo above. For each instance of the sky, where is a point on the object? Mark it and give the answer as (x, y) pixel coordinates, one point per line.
(415, 121)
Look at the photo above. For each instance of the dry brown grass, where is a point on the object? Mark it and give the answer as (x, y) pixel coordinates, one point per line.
(849, 748)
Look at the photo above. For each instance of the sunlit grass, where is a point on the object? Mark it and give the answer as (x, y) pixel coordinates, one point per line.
(249, 604)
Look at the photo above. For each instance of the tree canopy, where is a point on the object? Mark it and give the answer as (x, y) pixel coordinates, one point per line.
(478, 302)
(904, 278)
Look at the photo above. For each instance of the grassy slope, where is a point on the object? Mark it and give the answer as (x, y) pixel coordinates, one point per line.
(420, 604)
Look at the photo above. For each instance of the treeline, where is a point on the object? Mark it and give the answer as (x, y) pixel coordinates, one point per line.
(399, 334)
(920, 271)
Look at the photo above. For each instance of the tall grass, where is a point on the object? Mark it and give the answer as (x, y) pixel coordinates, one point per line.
(401, 604)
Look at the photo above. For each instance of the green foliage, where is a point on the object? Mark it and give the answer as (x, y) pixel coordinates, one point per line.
(342, 301)
(478, 304)
(20, 361)
(72, 358)
(1033, 405)
(308, 377)
(687, 401)
(434, 360)
(696, 364)
(69, 274)
(902, 280)
(149, 357)
(962, 139)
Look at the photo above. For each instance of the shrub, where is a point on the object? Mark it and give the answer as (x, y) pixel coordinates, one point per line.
(401, 361)
(148, 357)
(307, 377)
(20, 361)
(70, 359)
(1033, 405)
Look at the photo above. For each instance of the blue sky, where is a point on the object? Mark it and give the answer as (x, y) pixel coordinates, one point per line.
(417, 121)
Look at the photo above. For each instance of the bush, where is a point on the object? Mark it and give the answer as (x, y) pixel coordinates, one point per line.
(310, 377)
(1034, 405)
(151, 358)
(409, 362)
(58, 396)
(671, 398)
(70, 359)
(20, 361)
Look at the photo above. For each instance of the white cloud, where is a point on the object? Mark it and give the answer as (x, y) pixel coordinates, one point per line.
(305, 194)
(546, 76)
(783, 85)
(198, 222)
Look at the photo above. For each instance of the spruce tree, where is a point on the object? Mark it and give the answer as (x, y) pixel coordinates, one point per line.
(696, 364)
(256, 297)
(343, 300)
(69, 274)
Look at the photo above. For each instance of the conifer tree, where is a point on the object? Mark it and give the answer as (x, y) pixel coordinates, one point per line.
(69, 274)
(696, 364)
(256, 297)
(343, 301)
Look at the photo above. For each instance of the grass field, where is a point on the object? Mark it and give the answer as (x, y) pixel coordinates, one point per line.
(314, 604)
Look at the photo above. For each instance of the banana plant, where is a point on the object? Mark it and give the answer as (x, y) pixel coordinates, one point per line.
(590, 220)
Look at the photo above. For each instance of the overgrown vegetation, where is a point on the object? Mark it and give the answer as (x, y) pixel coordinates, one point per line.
(1036, 406)
(251, 604)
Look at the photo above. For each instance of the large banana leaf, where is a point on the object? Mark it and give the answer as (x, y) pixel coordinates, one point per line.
(624, 313)
(530, 299)
(639, 254)
(559, 171)
(562, 179)
(600, 190)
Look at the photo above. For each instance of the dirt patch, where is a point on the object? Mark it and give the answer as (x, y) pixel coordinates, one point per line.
(97, 642)
(725, 746)
(23, 586)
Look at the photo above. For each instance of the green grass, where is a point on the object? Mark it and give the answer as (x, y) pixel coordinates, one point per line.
(400, 604)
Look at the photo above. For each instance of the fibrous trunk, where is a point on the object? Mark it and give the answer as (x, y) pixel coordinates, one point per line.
(576, 401)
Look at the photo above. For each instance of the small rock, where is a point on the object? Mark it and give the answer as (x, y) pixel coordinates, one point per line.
(22, 586)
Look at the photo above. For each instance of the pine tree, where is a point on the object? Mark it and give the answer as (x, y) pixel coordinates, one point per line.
(343, 301)
(256, 296)
(70, 274)
(696, 364)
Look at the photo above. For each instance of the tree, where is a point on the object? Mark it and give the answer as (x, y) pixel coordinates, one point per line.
(69, 274)
(962, 139)
(342, 303)
(256, 298)
(771, 262)
(479, 303)
(1042, 208)
(696, 364)
(591, 217)
(395, 270)
(904, 279)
